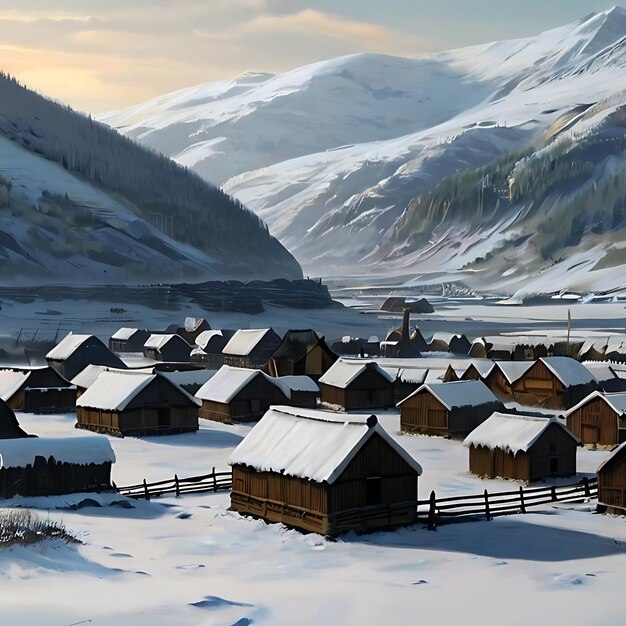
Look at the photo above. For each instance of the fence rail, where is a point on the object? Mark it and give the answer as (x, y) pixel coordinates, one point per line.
(215, 481)
(436, 511)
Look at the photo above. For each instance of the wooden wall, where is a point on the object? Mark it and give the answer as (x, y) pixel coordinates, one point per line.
(497, 463)
(612, 483)
(423, 413)
(595, 422)
(47, 477)
(369, 391)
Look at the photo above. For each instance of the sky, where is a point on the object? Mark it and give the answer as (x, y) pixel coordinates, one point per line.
(99, 55)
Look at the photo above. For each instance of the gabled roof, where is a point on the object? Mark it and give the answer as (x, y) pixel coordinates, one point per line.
(343, 373)
(77, 450)
(617, 401)
(67, 346)
(601, 370)
(410, 375)
(244, 341)
(513, 370)
(458, 393)
(569, 371)
(124, 333)
(88, 375)
(299, 383)
(10, 383)
(511, 433)
(612, 457)
(157, 342)
(205, 336)
(311, 444)
(483, 367)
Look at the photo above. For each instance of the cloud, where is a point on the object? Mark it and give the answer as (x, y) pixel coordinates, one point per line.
(112, 53)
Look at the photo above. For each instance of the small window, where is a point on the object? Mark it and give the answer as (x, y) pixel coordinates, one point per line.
(373, 491)
(554, 465)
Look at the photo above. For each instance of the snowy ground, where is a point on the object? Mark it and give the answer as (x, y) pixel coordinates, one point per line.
(150, 565)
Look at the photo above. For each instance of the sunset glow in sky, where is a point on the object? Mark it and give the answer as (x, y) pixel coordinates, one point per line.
(106, 54)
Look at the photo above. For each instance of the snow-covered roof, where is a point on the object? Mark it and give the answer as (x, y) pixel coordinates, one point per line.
(88, 375)
(513, 370)
(611, 456)
(569, 371)
(244, 341)
(67, 346)
(599, 344)
(601, 370)
(343, 372)
(124, 333)
(511, 433)
(113, 390)
(10, 382)
(192, 323)
(229, 381)
(617, 401)
(299, 383)
(446, 337)
(458, 393)
(205, 336)
(190, 377)
(311, 444)
(156, 342)
(78, 450)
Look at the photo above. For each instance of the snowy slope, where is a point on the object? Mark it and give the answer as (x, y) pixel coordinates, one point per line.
(336, 151)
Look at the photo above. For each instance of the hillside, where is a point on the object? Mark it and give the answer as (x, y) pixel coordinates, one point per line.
(81, 203)
(344, 149)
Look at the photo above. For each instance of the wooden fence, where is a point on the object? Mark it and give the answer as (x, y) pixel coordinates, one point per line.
(436, 511)
(215, 481)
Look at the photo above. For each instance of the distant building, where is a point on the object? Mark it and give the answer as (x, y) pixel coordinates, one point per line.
(209, 348)
(324, 472)
(190, 330)
(449, 342)
(301, 353)
(502, 377)
(172, 348)
(251, 348)
(136, 403)
(357, 385)
(521, 447)
(37, 390)
(38, 466)
(128, 340)
(75, 352)
(447, 409)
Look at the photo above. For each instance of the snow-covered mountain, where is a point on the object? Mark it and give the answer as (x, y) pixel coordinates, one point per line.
(336, 156)
(80, 203)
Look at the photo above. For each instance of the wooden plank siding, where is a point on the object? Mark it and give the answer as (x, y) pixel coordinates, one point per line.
(595, 422)
(552, 455)
(612, 483)
(499, 385)
(370, 390)
(347, 504)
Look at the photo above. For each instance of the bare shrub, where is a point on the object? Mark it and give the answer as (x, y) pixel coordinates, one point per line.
(23, 527)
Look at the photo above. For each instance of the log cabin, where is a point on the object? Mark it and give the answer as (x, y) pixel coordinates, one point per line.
(136, 403)
(612, 482)
(357, 385)
(477, 370)
(38, 466)
(556, 382)
(251, 348)
(521, 447)
(599, 419)
(37, 390)
(75, 352)
(128, 340)
(301, 353)
(447, 409)
(237, 394)
(170, 348)
(502, 377)
(324, 472)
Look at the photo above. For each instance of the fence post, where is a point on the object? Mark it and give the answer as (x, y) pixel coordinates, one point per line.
(487, 512)
(214, 481)
(553, 491)
(521, 498)
(586, 486)
(146, 493)
(432, 513)
(177, 485)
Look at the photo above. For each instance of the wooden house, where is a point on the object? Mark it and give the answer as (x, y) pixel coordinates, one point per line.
(301, 353)
(37, 390)
(556, 382)
(128, 340)
(75, 352)
(136, 403)
(9, 426)
(606, 375)
(594, 349)
(38, 466)
(356, 385)
(612, 482)
(209, 348)
(599, 419)
(477, 370)
(242, 395)
(190, 330)
(503, 375)
(324, 472)
(521, 447)
(171, 348)
(251, 348)
(406, 380)
(447, 409)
